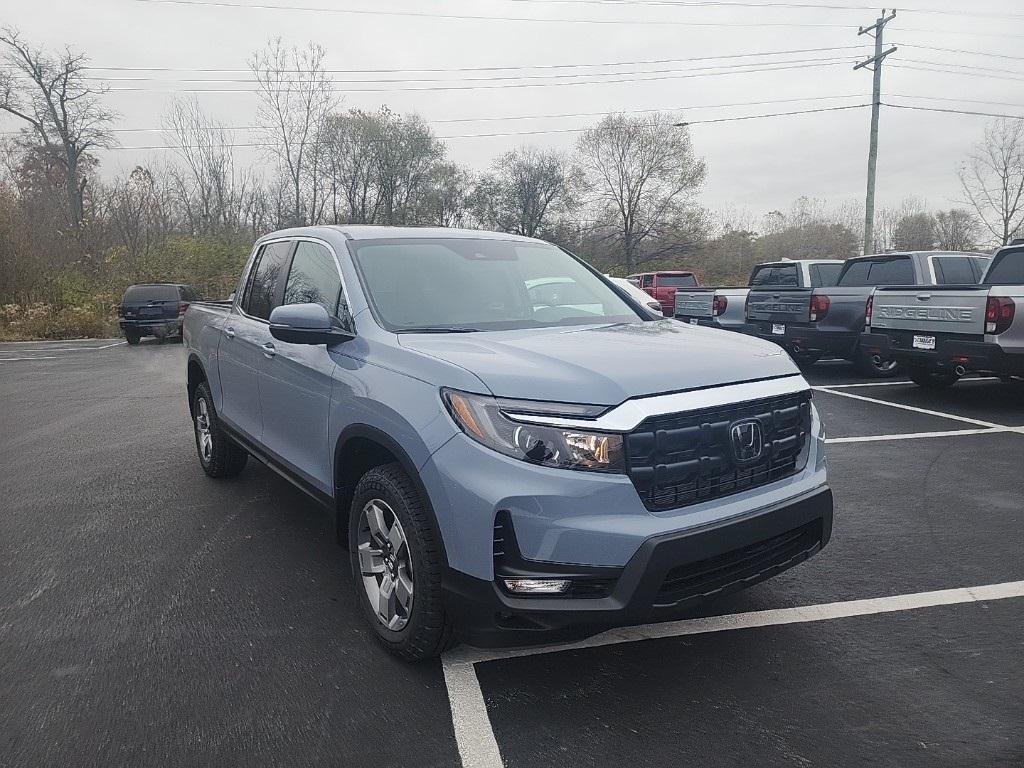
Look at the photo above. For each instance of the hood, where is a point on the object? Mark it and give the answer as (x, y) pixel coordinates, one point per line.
(605, 365)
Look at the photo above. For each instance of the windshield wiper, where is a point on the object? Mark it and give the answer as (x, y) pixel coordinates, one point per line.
(438, 329)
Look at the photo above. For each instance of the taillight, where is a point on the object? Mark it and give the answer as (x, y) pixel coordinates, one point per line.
(746, 305)
(182, 306)
(718, 305)
(998, 314)
(819, 307)
(867, 309)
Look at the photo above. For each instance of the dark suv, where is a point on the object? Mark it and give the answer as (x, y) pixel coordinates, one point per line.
(154, 309)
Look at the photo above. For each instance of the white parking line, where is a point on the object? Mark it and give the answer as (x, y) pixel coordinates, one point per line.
(54, 349)
(917, 435)
(896, 383)
(15, 359)
(478, 747)
(915, 409)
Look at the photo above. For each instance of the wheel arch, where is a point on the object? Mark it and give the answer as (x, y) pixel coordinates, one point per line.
(359, 448)
(196, 376)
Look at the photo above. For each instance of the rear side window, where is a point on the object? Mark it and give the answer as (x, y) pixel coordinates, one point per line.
(1006, 269)
(871, 272)
(264, 290)
(824, 275)
(676, 281)
(953, 270)
(313, 278)
(781, 276)
(143, 294)
(647, 281)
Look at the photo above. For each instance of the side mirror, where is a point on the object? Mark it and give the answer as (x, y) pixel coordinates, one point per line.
(305, 324)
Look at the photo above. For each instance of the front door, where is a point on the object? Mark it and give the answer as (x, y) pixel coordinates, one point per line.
(296, 379)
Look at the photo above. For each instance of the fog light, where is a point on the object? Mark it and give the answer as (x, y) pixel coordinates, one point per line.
(537, 586)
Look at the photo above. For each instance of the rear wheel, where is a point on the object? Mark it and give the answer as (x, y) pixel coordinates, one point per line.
(218, 455)
(396, 565)
(876, 365)
(931, 379)
(132, 337)
(805, 359)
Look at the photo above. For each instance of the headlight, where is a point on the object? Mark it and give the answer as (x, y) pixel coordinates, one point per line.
(481, 418)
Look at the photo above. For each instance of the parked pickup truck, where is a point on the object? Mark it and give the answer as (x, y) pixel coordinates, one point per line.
(943, 332)
(503, 469)
(663, 286)
(829, 321)
(726, 307)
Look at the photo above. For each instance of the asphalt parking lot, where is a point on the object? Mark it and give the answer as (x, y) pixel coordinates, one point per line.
(150, 616)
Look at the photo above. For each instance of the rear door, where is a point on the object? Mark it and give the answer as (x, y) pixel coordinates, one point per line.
(296, 379)
(246, 334)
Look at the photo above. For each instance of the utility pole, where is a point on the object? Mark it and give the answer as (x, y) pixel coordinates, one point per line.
(875, 65)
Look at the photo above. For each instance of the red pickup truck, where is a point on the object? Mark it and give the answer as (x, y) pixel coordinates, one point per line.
(662, 286)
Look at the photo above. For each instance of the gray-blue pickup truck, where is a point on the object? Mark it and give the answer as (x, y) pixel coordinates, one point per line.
(505, 464)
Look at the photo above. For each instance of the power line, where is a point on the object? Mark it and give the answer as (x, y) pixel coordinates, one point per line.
(956, 72)
(493, 68)
(774, 114)
(475, 17)
(689, 74)
(483, 78)
(954, 111)
(954, 65)
(961, 50)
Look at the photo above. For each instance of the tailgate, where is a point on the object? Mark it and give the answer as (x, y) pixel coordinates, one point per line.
(779, 305)
(695, 303)
(931, 309)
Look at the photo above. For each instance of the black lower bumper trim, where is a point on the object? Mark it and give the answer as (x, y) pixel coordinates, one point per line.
(806, 338)
(975, 356)
(666, 577)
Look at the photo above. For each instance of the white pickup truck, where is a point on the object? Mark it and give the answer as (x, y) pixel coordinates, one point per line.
(942, 332)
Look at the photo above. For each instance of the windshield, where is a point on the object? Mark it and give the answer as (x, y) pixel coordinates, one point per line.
(462, 284)
(894, 270)
(776, 275)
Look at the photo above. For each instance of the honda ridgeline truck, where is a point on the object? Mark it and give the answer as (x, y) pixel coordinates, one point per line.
(503, 469)
(828, 321)
(943, 332)
(726, 307)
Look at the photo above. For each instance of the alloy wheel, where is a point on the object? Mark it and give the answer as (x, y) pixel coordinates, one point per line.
(385, 564)
(205, 437)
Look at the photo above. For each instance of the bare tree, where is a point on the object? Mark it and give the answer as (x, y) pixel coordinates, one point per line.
(644, 174)
(889, 220)
(352, 140)
(524, 188)
(62, 109)
(915, 232)
(136, 217)
(956, 230)
(407, 153)
(444, 202)
(296, 98)
(215, 195)
(992, 178)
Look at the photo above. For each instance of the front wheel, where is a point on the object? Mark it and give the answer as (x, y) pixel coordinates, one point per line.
(396, 565)
(929, 379)
(875, 365)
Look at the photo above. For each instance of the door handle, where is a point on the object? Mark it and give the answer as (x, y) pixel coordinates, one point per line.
(229, 332)
(268, 350)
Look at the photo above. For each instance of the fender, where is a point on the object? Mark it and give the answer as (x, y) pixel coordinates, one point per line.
(343, 495)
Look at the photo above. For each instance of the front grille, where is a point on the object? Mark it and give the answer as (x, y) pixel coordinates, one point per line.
(751, 563)
(684, 458)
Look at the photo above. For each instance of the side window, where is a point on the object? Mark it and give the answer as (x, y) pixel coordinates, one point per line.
(979, 265)
(899, 271)
(855, 273)
(1007, 269)
(953, 270)
(313, 278)
(647, 281)
(267, 275)
(824, 275)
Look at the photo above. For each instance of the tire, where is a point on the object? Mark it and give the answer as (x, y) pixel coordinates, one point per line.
(885, 369)
(132, 338)
(419, 628)
(220, 457)
(805, 359)
(929, 379)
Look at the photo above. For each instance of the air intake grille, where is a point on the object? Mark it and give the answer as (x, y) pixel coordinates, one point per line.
(680, 459)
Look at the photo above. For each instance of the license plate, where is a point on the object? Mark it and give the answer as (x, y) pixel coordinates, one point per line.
(778, 329)
(693, 321)
(924, 342)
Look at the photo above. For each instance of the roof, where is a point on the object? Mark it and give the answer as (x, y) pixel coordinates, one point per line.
(664, 272)
(368, 232)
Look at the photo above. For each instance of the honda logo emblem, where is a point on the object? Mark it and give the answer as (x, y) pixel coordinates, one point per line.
(747, 440)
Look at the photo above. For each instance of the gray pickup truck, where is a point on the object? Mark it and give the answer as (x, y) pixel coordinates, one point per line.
(829, 321)
(725, 307)
(943, 332)
(505, 464)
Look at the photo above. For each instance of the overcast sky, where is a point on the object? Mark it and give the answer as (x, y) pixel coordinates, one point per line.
(756, 165)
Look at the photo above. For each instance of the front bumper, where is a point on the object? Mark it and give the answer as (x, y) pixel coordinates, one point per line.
(806, 338)
(949, 352)
(668, 575)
